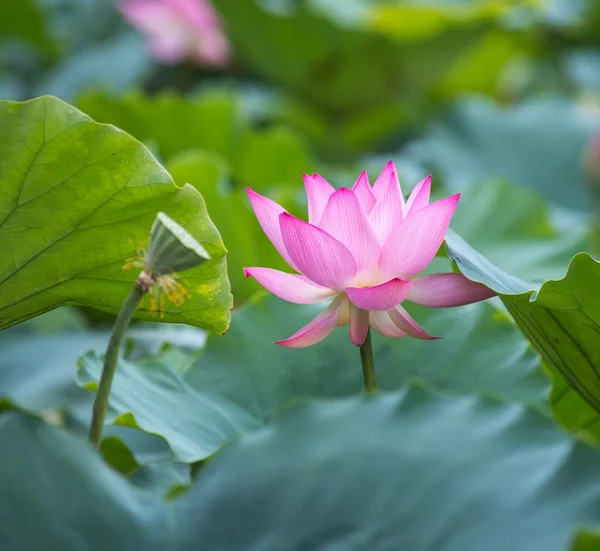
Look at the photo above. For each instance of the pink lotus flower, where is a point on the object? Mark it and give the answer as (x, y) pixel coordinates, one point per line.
(179, 29)
(362, 247)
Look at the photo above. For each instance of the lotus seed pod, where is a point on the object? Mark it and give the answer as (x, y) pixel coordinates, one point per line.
(172, 249)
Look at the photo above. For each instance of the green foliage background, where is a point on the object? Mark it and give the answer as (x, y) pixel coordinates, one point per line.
(485, 439)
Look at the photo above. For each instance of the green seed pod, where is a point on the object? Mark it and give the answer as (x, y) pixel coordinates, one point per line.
(172, 249)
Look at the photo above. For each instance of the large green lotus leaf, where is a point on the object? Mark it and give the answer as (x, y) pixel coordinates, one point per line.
(522, 241)
(561, 320)
(78, 199)
(538, 144)
(408, 470)
(247, 244)
(412, 470)
(572, 411)
(267, 378)
(251, 380)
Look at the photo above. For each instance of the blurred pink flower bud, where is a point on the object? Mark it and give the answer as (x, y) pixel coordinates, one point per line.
(362, 247)
(179, 29)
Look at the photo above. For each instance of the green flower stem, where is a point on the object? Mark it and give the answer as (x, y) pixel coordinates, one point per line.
(110, 361)
(368, 365)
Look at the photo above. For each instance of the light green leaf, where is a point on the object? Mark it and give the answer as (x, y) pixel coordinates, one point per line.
(572, 411)
(412, 471)
(415, 20)
(78, 199)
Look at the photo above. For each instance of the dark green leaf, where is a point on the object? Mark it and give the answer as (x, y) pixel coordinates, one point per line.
(404, 471)
(364, 473)
(118, 455)
(586, 540)
(22, 19)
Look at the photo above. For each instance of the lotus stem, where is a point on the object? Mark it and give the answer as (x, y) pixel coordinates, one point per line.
(368, 364)
(111, 358)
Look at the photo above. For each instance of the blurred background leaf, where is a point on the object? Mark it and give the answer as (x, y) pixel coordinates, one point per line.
(24, 20)
(539, 145)
(498, 99)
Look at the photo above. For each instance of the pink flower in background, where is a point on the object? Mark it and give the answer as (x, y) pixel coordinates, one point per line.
(179, 29)
(362, 247)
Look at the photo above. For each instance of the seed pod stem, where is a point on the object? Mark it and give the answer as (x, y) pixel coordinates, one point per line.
(111, 358)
